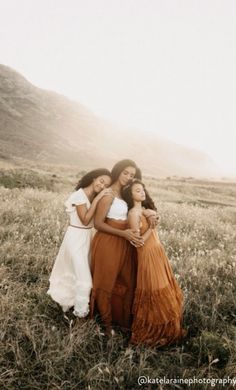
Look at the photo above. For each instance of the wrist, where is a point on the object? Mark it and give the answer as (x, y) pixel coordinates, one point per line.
(121, 233)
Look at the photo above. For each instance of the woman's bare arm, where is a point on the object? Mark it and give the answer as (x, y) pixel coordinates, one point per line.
(86, 214)
(134, 217)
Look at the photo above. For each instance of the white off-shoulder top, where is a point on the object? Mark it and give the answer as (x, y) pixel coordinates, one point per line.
(118, 209)
(77, 198)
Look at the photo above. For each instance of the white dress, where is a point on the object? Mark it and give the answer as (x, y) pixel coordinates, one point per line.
(70, 280)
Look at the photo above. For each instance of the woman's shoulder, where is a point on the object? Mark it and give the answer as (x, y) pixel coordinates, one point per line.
(106, 200)
(77, 197)
(135, 211)
(79, 191)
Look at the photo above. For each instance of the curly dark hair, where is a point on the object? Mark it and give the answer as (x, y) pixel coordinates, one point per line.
(148, 203)
(121, 165)
(88, 178)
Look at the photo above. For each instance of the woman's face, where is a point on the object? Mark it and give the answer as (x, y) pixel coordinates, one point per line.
(126, 175)
(138, 193)
(101, 182)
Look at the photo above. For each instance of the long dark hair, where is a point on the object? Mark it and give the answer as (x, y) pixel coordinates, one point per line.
(148, 203)
(88, 178)
(138, 174)
(121, 165)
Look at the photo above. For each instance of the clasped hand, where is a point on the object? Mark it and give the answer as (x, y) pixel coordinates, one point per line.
(152, 217)
(133, 236)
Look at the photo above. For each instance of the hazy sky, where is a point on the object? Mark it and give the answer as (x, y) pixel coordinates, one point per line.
(166, 66)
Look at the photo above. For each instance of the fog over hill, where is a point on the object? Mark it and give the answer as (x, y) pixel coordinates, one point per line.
(44, 126)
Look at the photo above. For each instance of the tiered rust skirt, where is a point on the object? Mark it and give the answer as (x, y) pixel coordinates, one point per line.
(114, 277)
(158, 302)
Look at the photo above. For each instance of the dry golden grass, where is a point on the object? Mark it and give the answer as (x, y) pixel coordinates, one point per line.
(42, 349)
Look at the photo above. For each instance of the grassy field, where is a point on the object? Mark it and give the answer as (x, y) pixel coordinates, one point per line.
(42, 349)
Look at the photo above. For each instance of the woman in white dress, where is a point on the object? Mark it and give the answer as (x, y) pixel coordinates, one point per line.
(70, 280)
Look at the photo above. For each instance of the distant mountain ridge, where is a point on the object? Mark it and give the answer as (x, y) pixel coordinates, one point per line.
(41, 125)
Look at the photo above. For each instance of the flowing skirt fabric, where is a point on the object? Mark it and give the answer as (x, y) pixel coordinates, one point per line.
(70, 280)
(158, 301)
(114, 277)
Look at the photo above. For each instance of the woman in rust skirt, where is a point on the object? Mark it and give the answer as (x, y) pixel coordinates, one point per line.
(114, 254)
(158, 301)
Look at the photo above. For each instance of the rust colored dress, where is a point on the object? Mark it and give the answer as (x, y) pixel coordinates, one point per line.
(158, 301)
(114, 277)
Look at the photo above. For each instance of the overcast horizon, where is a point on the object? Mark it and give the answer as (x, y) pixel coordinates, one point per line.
(167, 67)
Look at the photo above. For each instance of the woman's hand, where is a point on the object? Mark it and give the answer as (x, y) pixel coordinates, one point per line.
(152, 217)
(153, 221)
(133, 237)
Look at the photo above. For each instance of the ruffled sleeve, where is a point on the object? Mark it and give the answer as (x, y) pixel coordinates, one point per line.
(76, 198)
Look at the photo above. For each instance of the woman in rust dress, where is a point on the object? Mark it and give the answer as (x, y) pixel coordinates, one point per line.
(113, 256)
(114, 253)
(158, 300)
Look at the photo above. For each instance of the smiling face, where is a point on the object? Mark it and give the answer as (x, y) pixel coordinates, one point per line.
(127, 175)
(138, 192)
(100, 183)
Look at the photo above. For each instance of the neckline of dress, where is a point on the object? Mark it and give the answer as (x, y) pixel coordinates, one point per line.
(116, 197)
